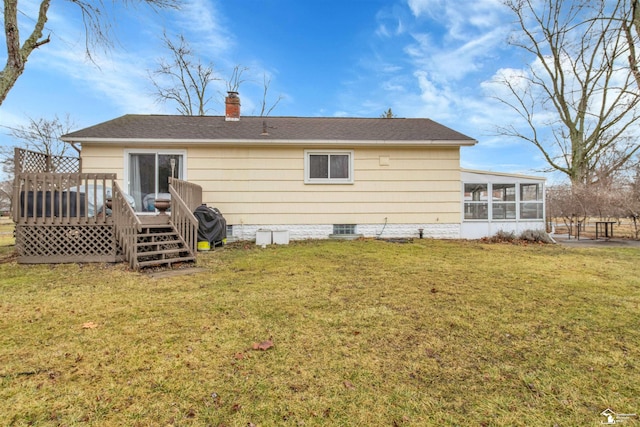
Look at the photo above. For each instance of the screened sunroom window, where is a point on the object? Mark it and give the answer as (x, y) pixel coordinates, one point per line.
(329, 167)
(476, 201)
(531, 201)
(504, 201)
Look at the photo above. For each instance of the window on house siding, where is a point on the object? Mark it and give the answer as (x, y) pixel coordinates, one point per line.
(476, 201)
(344, 229)
(329, 167)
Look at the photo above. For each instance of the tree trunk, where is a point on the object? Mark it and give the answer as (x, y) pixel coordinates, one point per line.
(17, 55)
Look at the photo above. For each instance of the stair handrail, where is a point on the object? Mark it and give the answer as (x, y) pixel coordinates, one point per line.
(127, 225)
(189, 192)
(183, 220)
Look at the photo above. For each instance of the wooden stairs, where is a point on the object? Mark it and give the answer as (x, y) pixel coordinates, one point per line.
(160, 245)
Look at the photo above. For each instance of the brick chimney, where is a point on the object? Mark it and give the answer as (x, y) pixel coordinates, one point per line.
(232, 104)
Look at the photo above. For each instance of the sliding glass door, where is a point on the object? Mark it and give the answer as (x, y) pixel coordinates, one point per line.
(148, 176)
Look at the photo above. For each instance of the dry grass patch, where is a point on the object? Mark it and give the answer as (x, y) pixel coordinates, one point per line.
(7, 241)
(363, 333)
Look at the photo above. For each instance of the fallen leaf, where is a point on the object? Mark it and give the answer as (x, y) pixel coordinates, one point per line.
(89, 325)
(239, 356)
(348, 384)
(264, 345)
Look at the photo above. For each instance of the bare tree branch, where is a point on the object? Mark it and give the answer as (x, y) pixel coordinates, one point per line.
(264, 111)
(96, 24)
(184, 79)
(235, 80)
(41, 135)
(576, 99)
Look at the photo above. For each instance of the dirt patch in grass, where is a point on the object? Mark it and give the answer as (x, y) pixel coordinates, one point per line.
(360, 333)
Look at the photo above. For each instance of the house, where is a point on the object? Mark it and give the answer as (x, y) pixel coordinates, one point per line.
(314, 177)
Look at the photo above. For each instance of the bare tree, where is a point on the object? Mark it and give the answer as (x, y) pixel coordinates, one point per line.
(235, 80)
(389, 114)
(631, 28)
(41, 135)
(266, 110)
(183, 79)
(565, 202)
(96, 25)
(577, 99)
(186, 81)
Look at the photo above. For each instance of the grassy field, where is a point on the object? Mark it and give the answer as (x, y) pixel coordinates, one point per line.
(372, 333)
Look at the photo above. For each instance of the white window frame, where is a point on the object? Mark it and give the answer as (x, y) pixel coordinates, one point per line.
(129, 151)
(504, 204)
(539, 201)
(493, 204)
(307, 167)
(475, 203)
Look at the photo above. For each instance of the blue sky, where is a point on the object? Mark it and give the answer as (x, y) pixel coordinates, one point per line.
(355, 58)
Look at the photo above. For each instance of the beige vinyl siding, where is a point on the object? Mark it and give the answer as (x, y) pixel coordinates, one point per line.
(103, 159)
(265, 185)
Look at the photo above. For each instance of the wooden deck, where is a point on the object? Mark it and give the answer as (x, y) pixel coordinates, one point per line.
(64, 217)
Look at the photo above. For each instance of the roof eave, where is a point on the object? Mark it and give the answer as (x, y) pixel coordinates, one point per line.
(505, 174)
(267, 142)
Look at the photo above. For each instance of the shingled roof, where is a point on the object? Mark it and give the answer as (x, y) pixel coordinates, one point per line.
(275, 130)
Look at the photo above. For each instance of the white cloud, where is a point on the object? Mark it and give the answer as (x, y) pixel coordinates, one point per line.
(426, 7)
(205, 27)
(460, 17)
(497, 85)
(435, 99)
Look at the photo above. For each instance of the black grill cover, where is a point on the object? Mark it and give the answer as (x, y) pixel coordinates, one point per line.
(212, 227)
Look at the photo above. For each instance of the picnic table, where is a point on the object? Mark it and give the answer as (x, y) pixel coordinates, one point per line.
(606, 226)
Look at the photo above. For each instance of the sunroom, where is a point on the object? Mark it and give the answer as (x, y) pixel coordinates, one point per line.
(494, 202)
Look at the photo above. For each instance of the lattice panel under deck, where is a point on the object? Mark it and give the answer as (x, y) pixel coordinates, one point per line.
(65, 243)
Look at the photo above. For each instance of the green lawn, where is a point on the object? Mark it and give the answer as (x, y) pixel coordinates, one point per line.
(368, 333)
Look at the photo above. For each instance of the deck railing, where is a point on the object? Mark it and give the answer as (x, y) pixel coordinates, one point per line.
(182, 218)
(61, 198)
(190, 193)
(127, 225)
(61, 217)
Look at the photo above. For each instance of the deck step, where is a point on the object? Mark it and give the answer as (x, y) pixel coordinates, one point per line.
(161, 245)
(158, 243)
(167, 262)
(167, 233)
(163, 252)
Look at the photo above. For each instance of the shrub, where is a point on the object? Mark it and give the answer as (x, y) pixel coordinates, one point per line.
(502, 237)
(535, 236)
